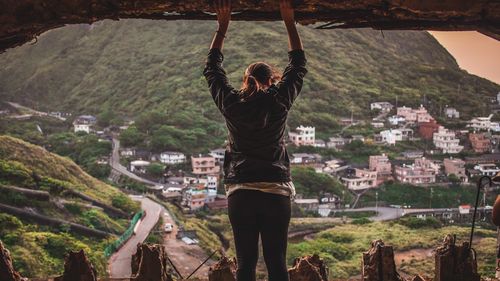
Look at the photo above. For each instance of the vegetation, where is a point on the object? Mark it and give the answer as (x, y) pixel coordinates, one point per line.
(311, 184)
(39, 250)
(396, 193)
(342, 246)
(137, 69)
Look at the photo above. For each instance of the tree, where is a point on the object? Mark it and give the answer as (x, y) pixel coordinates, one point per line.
(131, 137)
(155, 170)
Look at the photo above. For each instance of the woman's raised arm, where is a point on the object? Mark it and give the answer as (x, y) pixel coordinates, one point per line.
(223, 10)
(288, 15)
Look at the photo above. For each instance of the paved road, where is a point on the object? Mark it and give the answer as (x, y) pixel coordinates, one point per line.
(388, 213)
(118, 167)
(119, 263)
(32, 111)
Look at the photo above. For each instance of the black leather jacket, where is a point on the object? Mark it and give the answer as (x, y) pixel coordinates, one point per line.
(256, 151)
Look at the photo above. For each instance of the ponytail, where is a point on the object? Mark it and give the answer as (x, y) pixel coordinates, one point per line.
(256, 75)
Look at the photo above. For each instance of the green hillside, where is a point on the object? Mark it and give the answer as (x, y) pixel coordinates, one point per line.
(31, 167)
(134, 66)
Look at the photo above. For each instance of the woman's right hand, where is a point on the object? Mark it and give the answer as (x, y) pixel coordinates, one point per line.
(223, 10)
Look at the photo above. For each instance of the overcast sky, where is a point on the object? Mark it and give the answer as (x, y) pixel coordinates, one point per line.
(474, 52)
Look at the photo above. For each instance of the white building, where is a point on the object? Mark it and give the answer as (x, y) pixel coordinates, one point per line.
(127, 152)
(396, 120)
(320, 143)
(336, 142)
(363, 179)
(172, 157)
(377, 124)
(447, 141)
(382, 106)
(451, 112)
(391, 136)
(218, 154)
(139, 166)
(84, 123)
(480, 123)
(487, 169)
(303, 136)
(305, 158)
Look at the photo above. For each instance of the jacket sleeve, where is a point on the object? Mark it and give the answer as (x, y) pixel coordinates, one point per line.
(216, 78)
(293, 77)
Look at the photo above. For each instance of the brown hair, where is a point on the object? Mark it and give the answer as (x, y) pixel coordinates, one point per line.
(256, 75)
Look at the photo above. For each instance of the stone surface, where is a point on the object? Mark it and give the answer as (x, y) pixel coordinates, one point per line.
(77, 268)
(223, 270)
(23, 20)
(455, 262)
(378, 263)
(7, 271)
(308, 268)
(150, 263)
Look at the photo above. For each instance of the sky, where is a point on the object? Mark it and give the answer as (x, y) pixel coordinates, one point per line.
(474, 52)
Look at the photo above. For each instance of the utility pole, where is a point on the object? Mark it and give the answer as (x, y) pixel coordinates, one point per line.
(430, 200)
(376, 201)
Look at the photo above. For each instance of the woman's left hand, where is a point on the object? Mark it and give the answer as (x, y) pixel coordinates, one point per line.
(223, 10)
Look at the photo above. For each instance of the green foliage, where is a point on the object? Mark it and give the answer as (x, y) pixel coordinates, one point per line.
(311, 184)
(361, 221)
(131, 137)
(13, 172)
(413, 222)
(99, 220)
(123, 202)
(164, 75)
(155, 169)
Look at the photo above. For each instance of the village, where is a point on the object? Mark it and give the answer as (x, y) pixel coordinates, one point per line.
(452, 156)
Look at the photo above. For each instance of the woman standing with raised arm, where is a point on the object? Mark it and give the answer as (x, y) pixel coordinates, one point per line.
(256, 163)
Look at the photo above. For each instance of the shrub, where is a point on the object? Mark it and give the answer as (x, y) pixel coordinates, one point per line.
(415, 223)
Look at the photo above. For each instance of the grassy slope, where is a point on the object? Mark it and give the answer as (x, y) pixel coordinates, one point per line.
(137, 65)
(47, 164)
(19, 161)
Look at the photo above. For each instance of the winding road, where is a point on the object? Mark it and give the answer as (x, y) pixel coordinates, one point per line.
(120, 262)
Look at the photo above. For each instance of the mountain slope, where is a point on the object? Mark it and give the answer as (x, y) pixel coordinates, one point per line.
(133, 66)
(27, 167)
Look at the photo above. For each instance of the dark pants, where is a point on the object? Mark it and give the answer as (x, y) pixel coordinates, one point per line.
(253, 212)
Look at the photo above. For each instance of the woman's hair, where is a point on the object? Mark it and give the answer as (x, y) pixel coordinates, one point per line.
(256, 75)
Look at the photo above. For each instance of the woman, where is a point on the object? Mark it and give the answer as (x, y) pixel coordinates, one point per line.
(256, 165)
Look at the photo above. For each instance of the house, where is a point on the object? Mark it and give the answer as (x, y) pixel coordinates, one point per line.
(396, 120)
(451, 112)
(446, 140)
(421, 171)
(480, 123)
(362, 179)
(380, 164)
(303, 136)
(336, 142)
(483, 159)
(427, 129)
(495, 127)
(127, 152)
(412, 154)
(383, 106)
(172, 157)
(464, 209)
(305, 158)
(84, 123)
(219, 203)
(332, 166)
(391, 136)
(487, 169)
(320, 143)
(358, 138)
(454, 166)
(414, 115)
(139, 166)
(406, 133)
(195, 197)
(218, 154)
(307, 204)
(204, 165)
(377, 124)
(479, 142)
